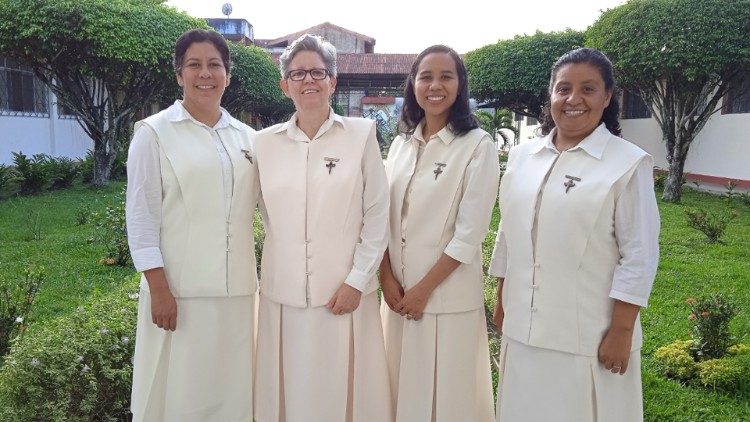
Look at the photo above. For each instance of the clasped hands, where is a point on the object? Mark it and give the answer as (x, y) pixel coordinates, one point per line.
(409, 303)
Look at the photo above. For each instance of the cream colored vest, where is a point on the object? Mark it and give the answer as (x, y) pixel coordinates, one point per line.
(557, 296)
(205, 255)
(433, 206)
(313, 213)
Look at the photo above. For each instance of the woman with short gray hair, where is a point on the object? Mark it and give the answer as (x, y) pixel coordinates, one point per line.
(320, 351)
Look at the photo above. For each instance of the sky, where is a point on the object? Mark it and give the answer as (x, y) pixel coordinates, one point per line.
(409, 26)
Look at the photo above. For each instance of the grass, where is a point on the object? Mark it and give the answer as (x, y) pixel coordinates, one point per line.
(43, 230)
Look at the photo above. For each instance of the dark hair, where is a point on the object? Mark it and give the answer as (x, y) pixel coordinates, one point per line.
(597, 59)
(192, 36)
(460, 118)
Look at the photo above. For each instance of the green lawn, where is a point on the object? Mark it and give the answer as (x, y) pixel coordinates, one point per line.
(689, 267)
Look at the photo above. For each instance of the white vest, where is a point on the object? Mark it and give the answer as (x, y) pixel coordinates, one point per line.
(557, 296)
(433, 206)
(313, 212)
(205, 255)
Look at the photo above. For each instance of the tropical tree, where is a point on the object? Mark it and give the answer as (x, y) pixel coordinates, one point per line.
(514, 73)
(103, 59)
(254, 87)
(498, 124)
(681, 56)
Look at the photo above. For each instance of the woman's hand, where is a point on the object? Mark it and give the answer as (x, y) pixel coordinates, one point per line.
(163, 304)
(345, 300)
(413, 303)
(614, 350)
(164, 309)
(393, 292)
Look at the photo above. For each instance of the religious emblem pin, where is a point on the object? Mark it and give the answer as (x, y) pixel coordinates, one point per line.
(331, 163)
(247, 155)
(571, 182)
(438, 169)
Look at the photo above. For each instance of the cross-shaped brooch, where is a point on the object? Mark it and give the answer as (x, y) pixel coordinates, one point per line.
(331, 163)
(438, 169)
(247, 155)
(571, 182)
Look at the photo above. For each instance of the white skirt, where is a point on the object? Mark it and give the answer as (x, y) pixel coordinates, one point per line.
(547, 385)
(439, 366)
(200, 372)
(313, 366)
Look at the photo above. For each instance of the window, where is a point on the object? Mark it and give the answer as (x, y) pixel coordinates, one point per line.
(530, 121)
(517, 117)
(633, 106)
(737, 99)
(21, 93)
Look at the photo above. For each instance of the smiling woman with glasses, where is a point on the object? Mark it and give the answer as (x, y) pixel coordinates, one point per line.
(320, 352)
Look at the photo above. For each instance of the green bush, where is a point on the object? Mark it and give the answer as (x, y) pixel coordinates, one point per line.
(730, 374)
(33, 173)
(74, 368)
(9, 179)
(111, 232)
(86, 167)
(675, 361)
(711, 316)
(62, 171)
(16, 302)
(660, 180)
(711, 224)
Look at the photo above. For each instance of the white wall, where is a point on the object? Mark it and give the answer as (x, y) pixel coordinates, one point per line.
(49, 135)
(721, 149)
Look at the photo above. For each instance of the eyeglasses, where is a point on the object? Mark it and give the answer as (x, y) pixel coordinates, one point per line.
(299, 74)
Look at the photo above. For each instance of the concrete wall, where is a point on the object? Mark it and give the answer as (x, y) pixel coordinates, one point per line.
(49, 135)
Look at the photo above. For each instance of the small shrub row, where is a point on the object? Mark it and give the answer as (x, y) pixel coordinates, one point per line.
(111, 231)
(32, 175)
(74, 368)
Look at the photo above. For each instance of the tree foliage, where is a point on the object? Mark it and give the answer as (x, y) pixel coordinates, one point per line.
(498, 124)
(514, 73)
(254, 87)
(681, 56)
(104, 59)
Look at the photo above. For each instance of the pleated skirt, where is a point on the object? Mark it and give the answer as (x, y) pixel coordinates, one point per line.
(540, 385)
(439, 366)
(313, 366)
(200, 372)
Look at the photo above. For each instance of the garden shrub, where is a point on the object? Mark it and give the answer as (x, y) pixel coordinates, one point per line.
(86, 167)
(111, 232)
(62, 171)
(9, 179)
(729, 374)
(675, 361)
(660, 180)
(711, 224)
(711, 336)
(77, 367)
(32, 171)
(16, 302)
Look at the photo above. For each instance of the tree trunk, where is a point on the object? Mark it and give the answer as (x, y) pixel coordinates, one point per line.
(104, 158)
(677, 156)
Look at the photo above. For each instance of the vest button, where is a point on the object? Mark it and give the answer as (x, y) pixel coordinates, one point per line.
(534, 286)
(307, 273)
(537, 265)
(533, 309)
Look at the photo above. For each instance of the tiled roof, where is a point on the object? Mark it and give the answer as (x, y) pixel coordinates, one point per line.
(291, 37)
(375, 63)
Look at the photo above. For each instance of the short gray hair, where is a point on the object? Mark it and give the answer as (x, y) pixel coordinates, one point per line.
(309, 42)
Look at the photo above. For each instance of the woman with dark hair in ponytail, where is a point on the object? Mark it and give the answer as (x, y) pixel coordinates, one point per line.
(443, 174)
(575, 256)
